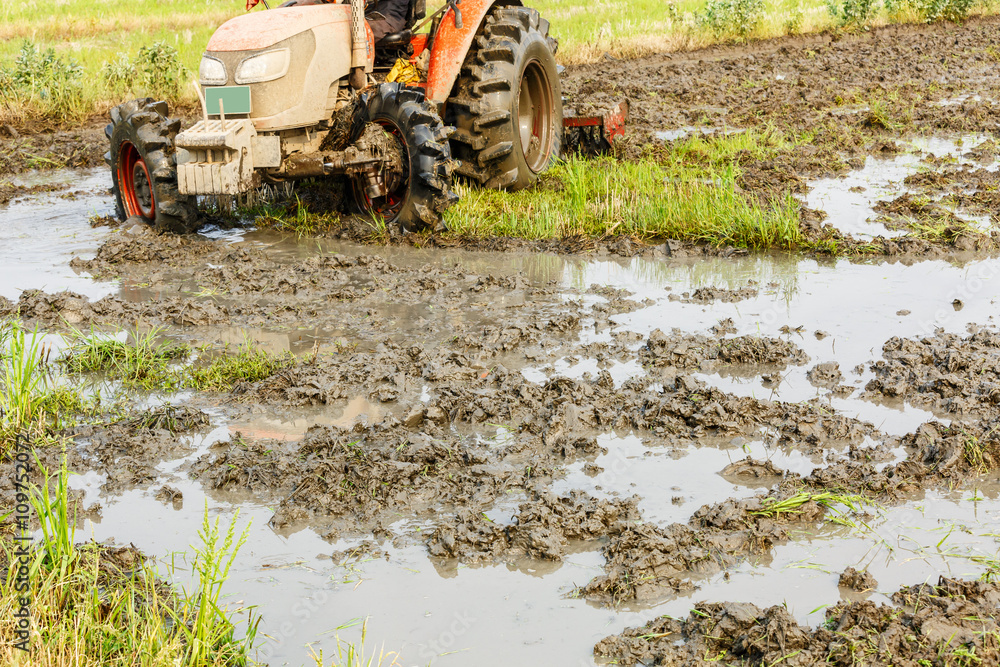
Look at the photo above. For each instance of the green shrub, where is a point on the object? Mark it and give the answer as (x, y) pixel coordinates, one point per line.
(852, 13)
(732, 17)
(935, 10)
(156, 71)
(42, 79)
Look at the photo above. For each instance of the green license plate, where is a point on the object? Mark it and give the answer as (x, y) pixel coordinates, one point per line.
(235, 100)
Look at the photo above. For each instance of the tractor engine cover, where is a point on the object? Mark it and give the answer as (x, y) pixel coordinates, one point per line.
(291, 59)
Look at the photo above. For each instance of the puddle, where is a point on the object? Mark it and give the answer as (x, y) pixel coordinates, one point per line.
(41, 233)
(446, 614)
(849, 201)
(690, 130)
(294, 426)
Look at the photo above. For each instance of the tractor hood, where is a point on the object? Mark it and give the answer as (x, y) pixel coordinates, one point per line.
(259, 30)
(292, 60)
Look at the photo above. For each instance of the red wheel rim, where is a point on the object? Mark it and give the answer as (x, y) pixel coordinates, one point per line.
(388, 207)
(135, 184)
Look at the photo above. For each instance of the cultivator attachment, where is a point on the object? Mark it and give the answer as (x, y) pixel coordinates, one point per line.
(595, 134)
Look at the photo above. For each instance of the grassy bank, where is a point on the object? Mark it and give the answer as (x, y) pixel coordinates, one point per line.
(65, 61)
(687, 190)
(93, 604)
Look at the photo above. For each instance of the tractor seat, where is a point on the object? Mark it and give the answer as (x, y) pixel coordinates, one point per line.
(401, 38)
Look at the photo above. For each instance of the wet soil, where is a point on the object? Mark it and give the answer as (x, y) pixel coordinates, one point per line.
(568, 448)
(916, 80)
(932, 623)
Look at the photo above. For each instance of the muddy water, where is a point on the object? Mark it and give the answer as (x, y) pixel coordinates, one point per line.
(448, 614)
(849, 200)
(41, 233)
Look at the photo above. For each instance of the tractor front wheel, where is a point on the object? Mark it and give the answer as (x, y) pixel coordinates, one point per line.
(507, 102)
(418, 184)
(143, 167)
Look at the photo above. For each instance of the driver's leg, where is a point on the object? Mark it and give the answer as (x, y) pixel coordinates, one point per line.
(384, 25)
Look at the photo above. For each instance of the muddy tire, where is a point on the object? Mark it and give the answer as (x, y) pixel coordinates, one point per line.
(507, 102)
(143, 168)
(424, 191)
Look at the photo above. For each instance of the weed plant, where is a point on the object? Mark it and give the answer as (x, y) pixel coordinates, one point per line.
(32, 402)
(98, 606)
(247, 364)
(726, 18)
(209, 632)
(689, 192)
(44, 83)
(356, 655)
(831, 500)
(23, 360)
(156, 71)
(141, 362)
(855, 14)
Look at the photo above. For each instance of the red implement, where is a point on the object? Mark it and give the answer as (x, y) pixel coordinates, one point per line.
(595, 134)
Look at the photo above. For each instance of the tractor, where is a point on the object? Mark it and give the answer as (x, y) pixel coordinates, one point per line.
(303, 91)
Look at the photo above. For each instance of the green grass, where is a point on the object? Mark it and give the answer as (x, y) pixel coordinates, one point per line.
(22, 369)
(145, 363)
(141, 362)
(91, 608)
(829, 499)
(356, 655)
(686, 191)
(247, 364)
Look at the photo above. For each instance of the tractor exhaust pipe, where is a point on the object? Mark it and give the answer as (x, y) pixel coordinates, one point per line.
(359, 47)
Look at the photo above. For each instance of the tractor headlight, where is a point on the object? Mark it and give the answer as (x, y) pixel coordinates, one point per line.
(211, 72)
(264, 67)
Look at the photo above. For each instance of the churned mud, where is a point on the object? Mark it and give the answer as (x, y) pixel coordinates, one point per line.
(608, 453)
(927, 623)
(535, 414)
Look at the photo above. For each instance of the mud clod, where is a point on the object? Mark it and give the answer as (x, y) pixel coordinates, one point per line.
(950, 619)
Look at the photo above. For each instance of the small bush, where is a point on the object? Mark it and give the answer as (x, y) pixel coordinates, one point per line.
(45, 81)
(852, 13)
(732, 17)
(935, 10)
(156, 71)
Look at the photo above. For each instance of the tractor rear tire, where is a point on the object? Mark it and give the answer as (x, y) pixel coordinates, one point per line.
(144, 169)
(507, 102)
(424, 192)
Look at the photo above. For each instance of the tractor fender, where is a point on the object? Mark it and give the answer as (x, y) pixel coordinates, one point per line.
(452, 44)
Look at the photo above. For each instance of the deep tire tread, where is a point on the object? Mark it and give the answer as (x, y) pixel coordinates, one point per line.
(430, 191)
(482, 104)
(144, 124)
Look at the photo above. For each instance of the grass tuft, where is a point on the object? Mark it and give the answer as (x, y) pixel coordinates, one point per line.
(23, 358)
(94, 605)
(355, 655)
(828, 499)
(210, 634)
(247, 364)
(649, 199)
(139, 363)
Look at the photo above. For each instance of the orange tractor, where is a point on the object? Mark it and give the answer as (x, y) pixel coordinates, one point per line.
(303, 91)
